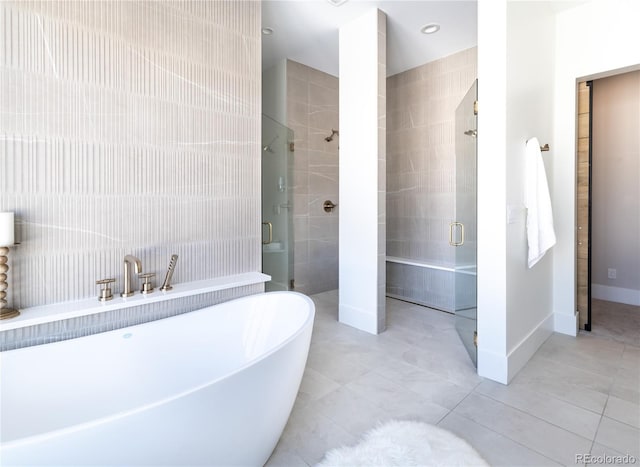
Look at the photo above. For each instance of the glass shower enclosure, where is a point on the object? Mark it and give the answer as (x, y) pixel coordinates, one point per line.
(463, 231)
(277, 207)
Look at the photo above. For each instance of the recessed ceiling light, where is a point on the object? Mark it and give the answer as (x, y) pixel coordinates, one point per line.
(337, 2)
(267, 31)
(430, 28)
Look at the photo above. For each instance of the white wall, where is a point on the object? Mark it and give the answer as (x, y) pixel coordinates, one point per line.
(362, 172)
(596, 38)
(527, 87)
(492, 174)
(530, 54)
(515, 103)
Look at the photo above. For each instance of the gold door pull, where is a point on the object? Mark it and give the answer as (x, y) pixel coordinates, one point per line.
(452, 226)
(270, 225)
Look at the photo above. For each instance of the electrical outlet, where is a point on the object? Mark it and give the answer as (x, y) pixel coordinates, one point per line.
(611, 273)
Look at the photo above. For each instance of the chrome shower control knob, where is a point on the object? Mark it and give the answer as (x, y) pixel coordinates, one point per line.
(147, 286)
(105, 291)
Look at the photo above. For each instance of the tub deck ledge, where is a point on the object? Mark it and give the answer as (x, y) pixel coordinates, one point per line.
(66, 310)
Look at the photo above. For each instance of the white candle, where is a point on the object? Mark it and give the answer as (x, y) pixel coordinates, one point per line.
(6, 229)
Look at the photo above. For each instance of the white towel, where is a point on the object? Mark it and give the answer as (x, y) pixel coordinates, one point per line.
(540, 233)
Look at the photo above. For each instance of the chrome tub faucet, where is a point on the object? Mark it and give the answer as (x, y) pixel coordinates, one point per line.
(137, 264)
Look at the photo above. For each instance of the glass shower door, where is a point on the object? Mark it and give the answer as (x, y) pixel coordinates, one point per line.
(463, 231)
(277, 212)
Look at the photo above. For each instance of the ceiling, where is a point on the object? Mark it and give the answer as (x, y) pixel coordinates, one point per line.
(307, 30)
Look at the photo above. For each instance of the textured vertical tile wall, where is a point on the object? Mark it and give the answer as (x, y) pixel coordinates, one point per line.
(312, 112)
(128, 127)
(421, 105)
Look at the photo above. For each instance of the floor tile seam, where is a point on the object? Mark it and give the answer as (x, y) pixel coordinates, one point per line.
(624, 351)
(357, 436)
(540, 418)
(598, 431)
(605, 361)
(318, 413)
(425, 351)
(269, 464)
(582, 338)
(506, 436)
(449, 411)
(364, 396)
(575, 367)
(435, 374)
(324, 374)
(377, 421)
(537, 418)
(595, 436)
(420, 397)
(398, 340)
(620, 339)
(435, 403)
(312, 399)
(464, 398)
(620, 421)
(569, 401)
(296, 448)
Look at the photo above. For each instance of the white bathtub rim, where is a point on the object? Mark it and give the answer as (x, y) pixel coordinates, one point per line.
(142, 408)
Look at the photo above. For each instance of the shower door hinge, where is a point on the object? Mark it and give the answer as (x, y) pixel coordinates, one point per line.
(475, 338)
(292, 146)
(292, 284)
(475, 107)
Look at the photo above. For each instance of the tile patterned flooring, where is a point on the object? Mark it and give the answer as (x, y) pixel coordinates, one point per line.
(575, 396)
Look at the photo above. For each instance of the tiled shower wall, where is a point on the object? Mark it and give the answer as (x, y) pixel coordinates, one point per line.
(312, 112)
(128, 128)
(421, 105)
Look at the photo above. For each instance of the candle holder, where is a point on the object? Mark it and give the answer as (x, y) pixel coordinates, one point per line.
(5, 311)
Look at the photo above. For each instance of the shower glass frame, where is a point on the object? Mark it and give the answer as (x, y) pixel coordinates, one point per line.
(463, 233)
(277, 153)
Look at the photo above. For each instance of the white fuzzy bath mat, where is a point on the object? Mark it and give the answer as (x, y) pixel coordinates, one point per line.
(404, 444)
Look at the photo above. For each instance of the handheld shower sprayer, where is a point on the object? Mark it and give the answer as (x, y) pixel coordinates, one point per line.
(167, 279)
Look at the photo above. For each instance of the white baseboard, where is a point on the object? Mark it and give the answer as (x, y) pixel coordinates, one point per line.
(566, 323)
(524, 350)
(615, 294)
(358, 319)
(502, 368)
(493, 366)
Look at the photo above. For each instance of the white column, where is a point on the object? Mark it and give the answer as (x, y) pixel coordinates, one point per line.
(362, 237)
(492, 196)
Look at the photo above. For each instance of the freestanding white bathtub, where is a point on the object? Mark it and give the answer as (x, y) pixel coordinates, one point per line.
(211, 387)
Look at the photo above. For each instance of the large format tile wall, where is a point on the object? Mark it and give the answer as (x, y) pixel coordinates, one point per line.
(128, 127)
(312, 112)
(421, 105)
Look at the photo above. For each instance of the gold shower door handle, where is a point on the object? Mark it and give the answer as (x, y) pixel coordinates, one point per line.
(270, 225)
(451, 229)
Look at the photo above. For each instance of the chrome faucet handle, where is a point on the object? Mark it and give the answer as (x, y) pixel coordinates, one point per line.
(147, 286)
(105, 291)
